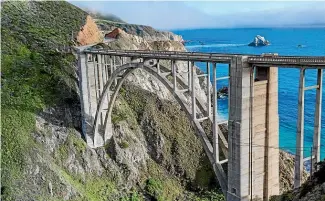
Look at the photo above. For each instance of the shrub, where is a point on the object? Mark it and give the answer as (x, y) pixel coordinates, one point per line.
(124, 144)
(155, 189)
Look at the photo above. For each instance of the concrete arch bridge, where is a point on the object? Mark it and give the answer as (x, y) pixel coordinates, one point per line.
(251, 144)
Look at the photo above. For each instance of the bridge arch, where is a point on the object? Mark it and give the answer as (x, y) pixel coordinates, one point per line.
(123, 72)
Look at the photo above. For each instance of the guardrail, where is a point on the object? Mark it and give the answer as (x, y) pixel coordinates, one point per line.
(265, 59)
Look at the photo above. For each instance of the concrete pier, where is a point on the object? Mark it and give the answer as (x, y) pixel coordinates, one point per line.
(253, 169)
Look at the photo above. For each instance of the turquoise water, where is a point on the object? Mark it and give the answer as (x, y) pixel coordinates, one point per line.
(283, 42)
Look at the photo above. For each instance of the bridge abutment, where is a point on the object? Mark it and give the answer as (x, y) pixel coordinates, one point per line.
(253, 168)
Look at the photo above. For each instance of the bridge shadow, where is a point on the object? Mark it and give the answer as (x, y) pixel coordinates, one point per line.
(66, 113)
(204, 176)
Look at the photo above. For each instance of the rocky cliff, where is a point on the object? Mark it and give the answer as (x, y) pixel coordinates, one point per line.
(89, 33)
(312, 190)
(146, 32)
(287, 167)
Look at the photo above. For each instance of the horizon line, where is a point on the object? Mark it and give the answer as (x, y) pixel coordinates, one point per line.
(248, 27)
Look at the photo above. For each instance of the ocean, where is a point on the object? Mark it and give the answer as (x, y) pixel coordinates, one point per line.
(284, 41)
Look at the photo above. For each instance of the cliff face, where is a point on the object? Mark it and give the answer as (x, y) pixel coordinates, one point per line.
(146, 32)
(89, 33)
(312, 190)
(287, 168)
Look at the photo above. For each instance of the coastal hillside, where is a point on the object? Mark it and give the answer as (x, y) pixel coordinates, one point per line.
(154, 153)
(43, 154)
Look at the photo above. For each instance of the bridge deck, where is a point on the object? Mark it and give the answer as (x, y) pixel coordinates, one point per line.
(285, 61)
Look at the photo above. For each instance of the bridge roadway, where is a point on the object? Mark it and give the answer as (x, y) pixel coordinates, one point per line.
(253, 123)
(260, 60)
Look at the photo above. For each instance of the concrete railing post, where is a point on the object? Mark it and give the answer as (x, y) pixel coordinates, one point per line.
(174, 73)
(158, 66)
(189, 75)
(317, 122)
(215, 114)
(209, 89)
(193, 73)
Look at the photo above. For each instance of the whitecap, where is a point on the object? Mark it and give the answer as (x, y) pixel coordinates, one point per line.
(215, 45)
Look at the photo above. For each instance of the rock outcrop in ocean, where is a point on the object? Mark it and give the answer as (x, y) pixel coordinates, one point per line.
(259, 41)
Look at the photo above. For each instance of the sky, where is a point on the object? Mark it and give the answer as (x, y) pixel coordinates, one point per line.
(171, 15)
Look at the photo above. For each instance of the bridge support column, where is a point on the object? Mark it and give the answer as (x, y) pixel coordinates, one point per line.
(299, 159)
(265, 139)
(92, 77)
(85, 98)
(253, 158)
(318, 114)
(239, 133)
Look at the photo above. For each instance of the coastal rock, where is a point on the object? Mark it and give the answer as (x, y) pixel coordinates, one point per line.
(287, 171)
(259, 41)
(222, 92)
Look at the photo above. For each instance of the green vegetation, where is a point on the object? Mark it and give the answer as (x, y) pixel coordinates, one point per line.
(118, 116)
(133, 196)
(78, 144)
(173, 126)
(208, 196)
(124, 144)
(93, 189)
(167, 186)
(155, 189)
(318, 178)
(99, 189)
(34, 75)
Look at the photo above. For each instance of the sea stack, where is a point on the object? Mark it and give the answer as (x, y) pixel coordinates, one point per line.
(259, 41)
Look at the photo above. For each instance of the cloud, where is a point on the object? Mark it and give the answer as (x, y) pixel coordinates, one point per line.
(186, 15)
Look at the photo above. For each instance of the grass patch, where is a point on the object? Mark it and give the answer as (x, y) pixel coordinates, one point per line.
(154, 188)
(124, 144)
(133, 196)
(159, 185)
(78, 143)
(118, 117)
(94, 189)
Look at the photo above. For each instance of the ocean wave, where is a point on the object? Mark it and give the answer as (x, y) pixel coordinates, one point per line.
(215, 45)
